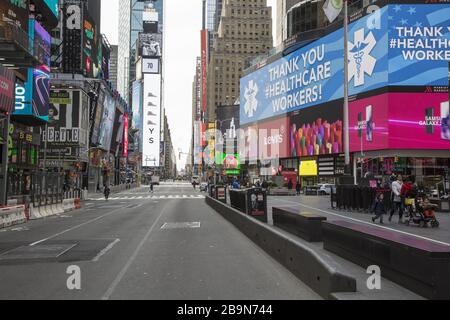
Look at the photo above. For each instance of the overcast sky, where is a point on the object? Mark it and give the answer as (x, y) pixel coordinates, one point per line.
(183, 21)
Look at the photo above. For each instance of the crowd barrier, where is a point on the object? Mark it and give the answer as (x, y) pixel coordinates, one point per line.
(10, 216)
(358, 198)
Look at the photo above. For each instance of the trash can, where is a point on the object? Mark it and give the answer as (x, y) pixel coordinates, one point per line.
(257, 204)
(221, 193)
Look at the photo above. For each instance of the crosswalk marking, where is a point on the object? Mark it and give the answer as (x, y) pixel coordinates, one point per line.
(154, 197)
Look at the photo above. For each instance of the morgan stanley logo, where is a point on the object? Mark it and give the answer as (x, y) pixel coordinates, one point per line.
(251, 103)
(360, 60)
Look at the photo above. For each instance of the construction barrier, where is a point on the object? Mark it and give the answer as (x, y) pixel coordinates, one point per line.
(10, 216)
(77, 203)
(68, 205)
(34, 212)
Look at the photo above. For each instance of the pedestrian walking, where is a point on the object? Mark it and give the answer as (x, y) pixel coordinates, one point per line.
(151, 187)
(298, 188)
(397, 200)
(379, 209)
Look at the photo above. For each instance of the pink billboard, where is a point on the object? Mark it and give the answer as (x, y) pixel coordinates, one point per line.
(400, 121)
(369, 124)
(419, 121)
(274, 139)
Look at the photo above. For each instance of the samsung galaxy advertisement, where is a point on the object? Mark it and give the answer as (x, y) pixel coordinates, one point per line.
(400, 121)
(396, 45)
(151, 121)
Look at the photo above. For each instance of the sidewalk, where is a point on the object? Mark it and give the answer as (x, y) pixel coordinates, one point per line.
(322, 205)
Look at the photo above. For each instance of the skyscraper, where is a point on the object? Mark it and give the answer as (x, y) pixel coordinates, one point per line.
(245, 31)
(130, 25)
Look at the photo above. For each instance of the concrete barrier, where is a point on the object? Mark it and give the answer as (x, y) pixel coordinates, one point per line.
(34, 213)
(12, 202)
(68, 205)
(302, 261)
(11, 216)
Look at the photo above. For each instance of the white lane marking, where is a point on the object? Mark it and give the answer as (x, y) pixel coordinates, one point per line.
(124, 270)
(76, 227)
(104, 251)
(365, 222)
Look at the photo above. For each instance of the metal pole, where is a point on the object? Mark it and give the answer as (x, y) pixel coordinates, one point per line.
(45, 162)
(4, 169)
(346, 99)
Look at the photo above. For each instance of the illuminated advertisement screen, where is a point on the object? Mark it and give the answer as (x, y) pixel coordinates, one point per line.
(53, 5)
(42, 43)
(137, 111)
(274, 139)
(401, 45)
(317, 130)
(230, 161)
(41, 93)
(107, 124)
(92, 48)
(400, 121)
(151, 121)
(308, 168)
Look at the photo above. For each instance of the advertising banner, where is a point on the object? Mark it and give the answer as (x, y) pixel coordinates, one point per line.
(72, 36)
(41, 93)
(419, 121)
(92, 48)
(53, 6)
(97, 116)
(7, 89)
(274, 139)
(150, 44)
(198, 150)
(125, 135)
(42, 42)
(369, 126)
(317, 130)
(108, 118)
(15, 12)
(68, 124)
(400, 121)
(419, 44)
(204, 66)
(137, 112)
(151, 120)
(32, 97)
(398, 45)
(150, 65)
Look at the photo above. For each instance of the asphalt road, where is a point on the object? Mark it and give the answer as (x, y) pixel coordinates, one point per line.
(168, 245)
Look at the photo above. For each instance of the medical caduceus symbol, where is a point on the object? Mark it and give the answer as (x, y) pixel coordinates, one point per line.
(251, 103)
(360, 60)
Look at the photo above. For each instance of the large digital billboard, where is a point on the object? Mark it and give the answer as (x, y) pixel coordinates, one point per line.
(150, 44)
(7, 89)
(401, 45)
(406, 120)
(107, 124)
(273, 137)
(419, 44)
(92, 48)
(151, 121)
(137, 111)
(317, 130)
(32, 97)
(68, 123)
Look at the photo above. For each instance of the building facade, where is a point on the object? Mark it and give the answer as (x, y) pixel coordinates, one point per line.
(113, 65)
(245, 31)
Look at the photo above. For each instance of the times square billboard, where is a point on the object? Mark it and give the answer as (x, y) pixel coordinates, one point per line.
(397, 45)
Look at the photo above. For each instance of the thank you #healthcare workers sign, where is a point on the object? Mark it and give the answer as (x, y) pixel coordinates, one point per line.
(378, 56)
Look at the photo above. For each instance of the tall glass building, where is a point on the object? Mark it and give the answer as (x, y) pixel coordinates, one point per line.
(130, 25)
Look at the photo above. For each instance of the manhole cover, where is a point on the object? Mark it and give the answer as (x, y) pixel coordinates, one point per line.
(181, 225)
(51, 251)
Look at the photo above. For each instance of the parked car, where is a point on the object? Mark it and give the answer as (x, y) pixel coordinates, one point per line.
(325, 189)
(204, 187)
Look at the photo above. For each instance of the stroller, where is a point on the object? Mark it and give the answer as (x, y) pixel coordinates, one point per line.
(421, 212)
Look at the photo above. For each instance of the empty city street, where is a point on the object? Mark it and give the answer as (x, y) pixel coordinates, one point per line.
(138, 245)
